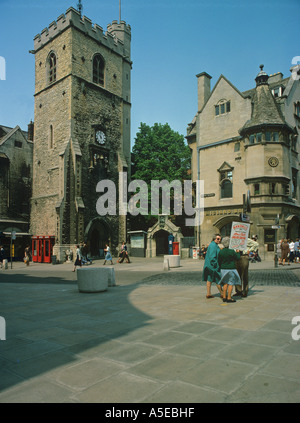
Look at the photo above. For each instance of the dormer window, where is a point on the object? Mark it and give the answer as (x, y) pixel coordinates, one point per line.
(277, 92)
(222, 107)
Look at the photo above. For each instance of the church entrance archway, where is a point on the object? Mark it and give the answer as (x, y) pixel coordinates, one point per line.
(97, 235)
(161, 238)
(293, 227)
(157, 237)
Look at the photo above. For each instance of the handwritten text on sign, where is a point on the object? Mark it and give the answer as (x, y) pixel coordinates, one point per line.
(239, 235)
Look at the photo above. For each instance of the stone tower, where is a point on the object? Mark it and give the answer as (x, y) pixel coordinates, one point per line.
(81, 129)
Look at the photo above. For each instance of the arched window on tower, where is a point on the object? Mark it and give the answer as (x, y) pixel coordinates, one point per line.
(98, 69)
(52, 67)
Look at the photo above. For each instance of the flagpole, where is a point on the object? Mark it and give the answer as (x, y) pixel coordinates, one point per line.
(119, 11)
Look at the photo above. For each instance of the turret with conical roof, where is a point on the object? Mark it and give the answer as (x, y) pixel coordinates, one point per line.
(265, 110)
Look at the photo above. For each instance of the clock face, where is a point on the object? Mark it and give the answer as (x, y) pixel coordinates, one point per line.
(100, 137)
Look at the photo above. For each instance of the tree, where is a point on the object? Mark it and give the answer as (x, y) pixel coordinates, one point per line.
(159, 153)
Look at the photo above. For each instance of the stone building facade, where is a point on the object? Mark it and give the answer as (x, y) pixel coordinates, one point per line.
(82, 129)
(16, 148)
(247, 145)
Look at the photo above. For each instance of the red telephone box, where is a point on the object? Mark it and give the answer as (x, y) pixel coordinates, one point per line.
(34, 249)
(42, 247)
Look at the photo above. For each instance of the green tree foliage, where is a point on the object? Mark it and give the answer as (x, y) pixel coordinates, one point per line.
(160, 153)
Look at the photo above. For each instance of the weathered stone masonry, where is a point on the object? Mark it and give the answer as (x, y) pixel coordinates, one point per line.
(68, 161)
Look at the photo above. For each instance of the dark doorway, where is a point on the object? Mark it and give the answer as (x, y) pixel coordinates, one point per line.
(97, 237)
(161, 238)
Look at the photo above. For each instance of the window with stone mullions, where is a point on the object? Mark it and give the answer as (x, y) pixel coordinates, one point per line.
(222, 108)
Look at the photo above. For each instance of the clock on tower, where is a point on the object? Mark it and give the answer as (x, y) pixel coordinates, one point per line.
(100, 137)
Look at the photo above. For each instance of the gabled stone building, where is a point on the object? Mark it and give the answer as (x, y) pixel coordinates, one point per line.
(82, 129)
(248, 143)
(16, 148)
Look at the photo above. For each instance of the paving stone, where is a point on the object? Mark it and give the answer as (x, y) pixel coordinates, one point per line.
(36, 391)
(121, 388)
(165, 366)
(245, 352)
(265, 388)
(180, 392)
(220, 374)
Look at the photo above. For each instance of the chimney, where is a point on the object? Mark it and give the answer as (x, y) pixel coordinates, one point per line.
(30, 131)
(203, 89)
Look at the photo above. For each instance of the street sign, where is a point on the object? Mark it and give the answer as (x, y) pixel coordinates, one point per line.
(276, 227)
(244, 217)
(13, 235)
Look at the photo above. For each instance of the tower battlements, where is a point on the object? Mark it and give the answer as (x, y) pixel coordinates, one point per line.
(117, 37)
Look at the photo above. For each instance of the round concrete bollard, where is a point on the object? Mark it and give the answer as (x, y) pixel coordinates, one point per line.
(166, 264)
(93, 279)
(111, 276)
(174, 260)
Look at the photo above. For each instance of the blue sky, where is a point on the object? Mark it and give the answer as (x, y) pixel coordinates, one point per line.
(172, 41)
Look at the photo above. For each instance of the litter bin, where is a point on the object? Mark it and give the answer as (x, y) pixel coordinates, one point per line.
(196, 252)
(53, 260)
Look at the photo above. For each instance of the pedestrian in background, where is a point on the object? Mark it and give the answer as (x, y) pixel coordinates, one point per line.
(78, 261)
(285, 249)
(211, 270)
(297, 251)
(124, 253)
(27, 255)
(278, 247)
(2, 256)
(108, 255)
(292, 251)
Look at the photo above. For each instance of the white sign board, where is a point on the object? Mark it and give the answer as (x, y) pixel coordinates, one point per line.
(239, 235)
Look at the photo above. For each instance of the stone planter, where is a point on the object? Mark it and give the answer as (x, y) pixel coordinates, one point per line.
(174, 261)
(95, 279)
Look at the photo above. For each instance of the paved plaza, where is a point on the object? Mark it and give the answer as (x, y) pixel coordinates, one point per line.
(152, 338)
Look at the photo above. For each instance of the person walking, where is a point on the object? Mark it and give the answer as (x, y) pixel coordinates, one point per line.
(285, 249)
(278, 247)
(84, 253)
(2, 256)
(27, 255)
(229, 274)
(297, 250)
(292, 251)
(124, 254)
(211, 270)
(108, 255)
(78, 261)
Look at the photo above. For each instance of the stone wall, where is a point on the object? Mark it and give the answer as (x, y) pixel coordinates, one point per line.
(68, 161)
